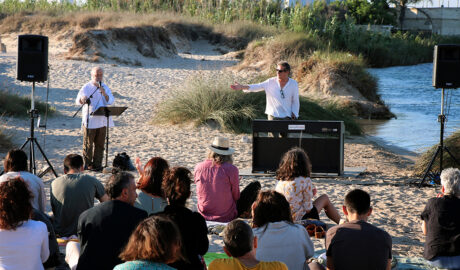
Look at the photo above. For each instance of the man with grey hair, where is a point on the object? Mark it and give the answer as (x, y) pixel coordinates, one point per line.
(282, 93)
(93, 95)
(441, 223)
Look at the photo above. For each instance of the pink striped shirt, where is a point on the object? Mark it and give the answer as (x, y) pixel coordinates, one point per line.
(217, 190)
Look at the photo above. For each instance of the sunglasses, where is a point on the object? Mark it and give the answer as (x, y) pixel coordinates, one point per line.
(281, 70)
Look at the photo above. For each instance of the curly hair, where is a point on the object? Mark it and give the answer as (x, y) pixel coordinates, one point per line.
(156, 239)
(15, 161)
(154, 171)
(15, 206)
(176, 185)
(294, 163)
(270, 206)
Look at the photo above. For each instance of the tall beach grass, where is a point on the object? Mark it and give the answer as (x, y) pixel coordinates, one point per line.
(212, 102)
(18, 106)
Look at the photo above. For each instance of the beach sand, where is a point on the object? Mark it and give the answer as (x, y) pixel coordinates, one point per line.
(397, 206)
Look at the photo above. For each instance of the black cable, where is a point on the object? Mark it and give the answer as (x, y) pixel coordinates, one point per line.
(46, 108)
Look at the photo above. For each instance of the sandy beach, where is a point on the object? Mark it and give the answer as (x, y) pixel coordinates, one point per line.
(397, 206)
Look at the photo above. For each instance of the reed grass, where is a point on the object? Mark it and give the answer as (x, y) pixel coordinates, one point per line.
(452, 143)
(210, 102)
(18, 106)
(5, 137)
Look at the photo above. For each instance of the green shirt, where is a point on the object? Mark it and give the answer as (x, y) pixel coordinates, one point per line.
(71, 195)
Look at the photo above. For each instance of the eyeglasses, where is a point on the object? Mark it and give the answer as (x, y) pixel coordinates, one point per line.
(281, 70)
(282, 93)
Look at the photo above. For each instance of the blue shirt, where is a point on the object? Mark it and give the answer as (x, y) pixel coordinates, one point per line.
(142, 265)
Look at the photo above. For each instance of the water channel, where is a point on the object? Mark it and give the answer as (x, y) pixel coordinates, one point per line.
(409, 93)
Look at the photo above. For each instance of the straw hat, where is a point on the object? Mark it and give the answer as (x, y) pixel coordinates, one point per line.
(220, 145)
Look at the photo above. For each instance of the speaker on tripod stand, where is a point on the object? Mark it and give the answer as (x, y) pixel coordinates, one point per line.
(446, 74)
(32, 66)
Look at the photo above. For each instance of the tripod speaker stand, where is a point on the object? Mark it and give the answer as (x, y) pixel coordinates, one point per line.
(32, 141)
(439, 150)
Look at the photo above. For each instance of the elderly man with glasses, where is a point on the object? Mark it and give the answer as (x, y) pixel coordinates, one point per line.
(281, 91)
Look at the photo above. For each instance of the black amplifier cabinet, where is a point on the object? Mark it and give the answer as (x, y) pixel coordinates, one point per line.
(322, 140)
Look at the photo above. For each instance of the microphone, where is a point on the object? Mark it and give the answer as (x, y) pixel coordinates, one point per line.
(100, 84)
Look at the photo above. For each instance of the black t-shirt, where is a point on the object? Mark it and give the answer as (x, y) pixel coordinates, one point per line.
(194, 232)
(358, 245)
(442, 219)
(103, 231)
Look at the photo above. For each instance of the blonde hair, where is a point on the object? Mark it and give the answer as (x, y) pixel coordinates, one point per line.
(218, 158)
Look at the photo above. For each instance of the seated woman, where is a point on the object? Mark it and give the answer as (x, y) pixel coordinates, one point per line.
(278, 239)
(24, 242)
(154, 243)
(441, 223)
(149, 192)
(217, 185)
(295, 184)
(192, 226)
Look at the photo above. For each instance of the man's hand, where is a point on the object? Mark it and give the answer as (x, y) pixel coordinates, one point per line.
(83, 99)
(238, 86)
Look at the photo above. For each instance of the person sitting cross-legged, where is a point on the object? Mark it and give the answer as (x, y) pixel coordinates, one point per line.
(441, 223)
(72, 194)
(240, 244)
(356, 244)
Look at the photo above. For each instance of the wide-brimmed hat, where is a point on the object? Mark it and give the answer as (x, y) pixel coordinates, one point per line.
(220, 145)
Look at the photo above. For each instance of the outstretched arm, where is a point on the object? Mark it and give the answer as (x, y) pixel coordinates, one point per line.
(238, 86)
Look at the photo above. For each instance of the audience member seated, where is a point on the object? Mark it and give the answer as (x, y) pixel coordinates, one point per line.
(278, 238)
(357, 244)
(241, 244)
(217, 185)
(295, 184)
(105, 229)
(155, 243)
(192, 226)
(72, 194)
(15, 164)
(23, 242)
(149, 193)
(54, 258)
(441, 223)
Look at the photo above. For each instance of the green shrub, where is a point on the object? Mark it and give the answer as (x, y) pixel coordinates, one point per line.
(452, 143)
(14, 105)
(212, 101)
(5, 138)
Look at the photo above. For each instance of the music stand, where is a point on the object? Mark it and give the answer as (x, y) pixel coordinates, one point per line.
(107, 112)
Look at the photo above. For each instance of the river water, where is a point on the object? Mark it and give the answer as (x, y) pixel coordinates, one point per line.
(409, 93)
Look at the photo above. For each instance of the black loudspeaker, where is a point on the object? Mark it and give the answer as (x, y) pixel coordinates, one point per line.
(446, 66)
(322, 140)
(32, 64)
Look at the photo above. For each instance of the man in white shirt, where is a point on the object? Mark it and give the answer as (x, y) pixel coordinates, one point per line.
(282, 94)
(94, 94)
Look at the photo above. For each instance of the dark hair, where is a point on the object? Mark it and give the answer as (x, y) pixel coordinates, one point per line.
(15, 161)
(176, 185)
(154, 239)
(358, 201)
(238, 238)
(15, 206)
(294, 163)
(73, 161)
(117, 182)
(270, 206)
(154, 171)
(285, 65)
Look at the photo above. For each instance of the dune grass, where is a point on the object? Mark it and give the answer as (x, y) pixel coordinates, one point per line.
(212, 102)
(5, 137)
(18, 106)
(453, 144)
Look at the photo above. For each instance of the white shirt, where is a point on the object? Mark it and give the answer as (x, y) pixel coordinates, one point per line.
(284, 242)
(24, 248)
(35, 185)
(98, 100)
(278, 106)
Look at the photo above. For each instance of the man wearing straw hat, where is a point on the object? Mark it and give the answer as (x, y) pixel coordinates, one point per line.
(217, 185)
